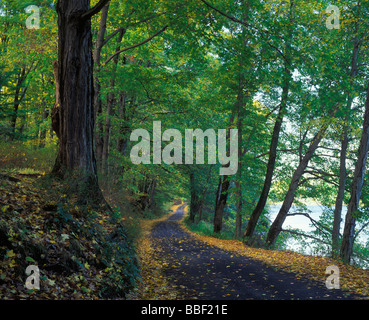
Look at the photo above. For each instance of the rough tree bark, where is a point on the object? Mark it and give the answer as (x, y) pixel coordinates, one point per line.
(75, 79)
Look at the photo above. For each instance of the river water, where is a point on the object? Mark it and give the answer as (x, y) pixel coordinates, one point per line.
(302, 222)
(305, 225)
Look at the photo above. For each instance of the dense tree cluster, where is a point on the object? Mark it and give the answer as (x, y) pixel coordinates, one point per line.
(291, 76)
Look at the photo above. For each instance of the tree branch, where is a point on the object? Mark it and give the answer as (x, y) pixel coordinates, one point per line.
(111, 36)
(318, 225)
(305, 235)
(316, 177)
(224, 14)
(249, 26)
(136, 45)
(361, 229)
(130, 25)
(328, 148)
(280, 150)
(318, 171)
(94, 10)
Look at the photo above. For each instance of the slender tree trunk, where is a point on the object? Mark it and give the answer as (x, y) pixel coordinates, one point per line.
(107, 126)
(44, 116)
(97, 87)
(203, 194)
(195, 202)
(254, 218)
(357, 187)
(238, 228)
(340, 194)
(344, 146)
(55, 112)
(201, 207)
(152, 194)
(123, 128)
(224, 181)
(110, 109)
(222, 194)
(239, 181)
(18, 97)
(221, 198)
(220, 202)
(276, 226)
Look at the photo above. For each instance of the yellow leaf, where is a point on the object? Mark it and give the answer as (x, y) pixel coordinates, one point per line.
(87, 266)
(12, 264)
(10, 254)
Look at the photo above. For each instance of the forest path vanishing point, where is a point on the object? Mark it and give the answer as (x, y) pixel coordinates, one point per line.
(202, 271)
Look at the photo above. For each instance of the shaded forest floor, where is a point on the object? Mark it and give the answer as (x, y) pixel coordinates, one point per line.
(81, 252)
(179, 264)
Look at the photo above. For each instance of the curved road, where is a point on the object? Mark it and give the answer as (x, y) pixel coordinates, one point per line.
(201, 271)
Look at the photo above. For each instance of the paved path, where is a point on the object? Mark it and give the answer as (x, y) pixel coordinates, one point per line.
(202, 271)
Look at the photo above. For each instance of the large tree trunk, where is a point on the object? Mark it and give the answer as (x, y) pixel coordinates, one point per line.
(357, 187)
(75, 80)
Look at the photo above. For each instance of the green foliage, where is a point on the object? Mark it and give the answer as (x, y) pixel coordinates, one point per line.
(20, 155)
(204, 70)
